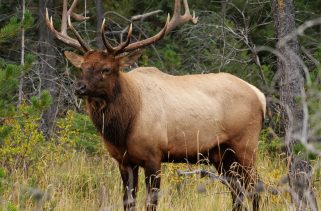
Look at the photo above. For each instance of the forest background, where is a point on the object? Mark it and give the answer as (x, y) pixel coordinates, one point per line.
(50, 155)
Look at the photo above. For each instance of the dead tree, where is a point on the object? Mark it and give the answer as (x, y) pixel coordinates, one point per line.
(291, 85)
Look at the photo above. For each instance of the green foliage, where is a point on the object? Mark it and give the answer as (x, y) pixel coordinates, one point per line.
(5, 130)
(13, 27)
(11, 207)
(9, 75)
(2, 173)
(171, 57)
(29, 20)
(42, 102)
(21, 147)
(81, 131)
(9, 81)
(269, 144)
(300, 149)
(10, 30)
(29, 59)
(123, 7)
(268, 73)
(2, 180)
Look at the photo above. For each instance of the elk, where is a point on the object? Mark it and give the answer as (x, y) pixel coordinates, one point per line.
(146, 117)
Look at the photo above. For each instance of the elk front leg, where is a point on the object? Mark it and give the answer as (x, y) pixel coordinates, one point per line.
(152, 180)
(129, 175)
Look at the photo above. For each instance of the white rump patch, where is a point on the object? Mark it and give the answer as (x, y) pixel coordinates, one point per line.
(261, 97)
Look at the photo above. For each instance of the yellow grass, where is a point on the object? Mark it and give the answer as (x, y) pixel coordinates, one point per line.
(93, 183)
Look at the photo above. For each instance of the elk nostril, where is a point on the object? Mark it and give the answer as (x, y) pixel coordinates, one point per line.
(80, 87)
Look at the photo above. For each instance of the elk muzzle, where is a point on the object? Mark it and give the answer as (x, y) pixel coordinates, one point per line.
(80, 88)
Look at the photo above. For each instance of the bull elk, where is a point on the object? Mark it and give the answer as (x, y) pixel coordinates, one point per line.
(147, 117)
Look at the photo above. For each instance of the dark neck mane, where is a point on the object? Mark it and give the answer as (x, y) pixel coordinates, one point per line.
(113, 120)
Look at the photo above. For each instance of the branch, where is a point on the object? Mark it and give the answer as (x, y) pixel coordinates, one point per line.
(142, 17)
(202, 173)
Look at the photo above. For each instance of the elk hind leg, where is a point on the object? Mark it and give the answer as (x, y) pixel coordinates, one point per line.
(237, 178)
(245, 166)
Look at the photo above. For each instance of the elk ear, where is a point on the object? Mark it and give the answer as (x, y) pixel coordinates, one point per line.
(129, 59)
(75, 59)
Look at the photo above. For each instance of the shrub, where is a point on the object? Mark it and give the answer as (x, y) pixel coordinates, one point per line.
(21, 139)
(80, 131)
(269, 143)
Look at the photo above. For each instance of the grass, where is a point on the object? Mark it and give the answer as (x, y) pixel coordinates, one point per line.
(93, 183)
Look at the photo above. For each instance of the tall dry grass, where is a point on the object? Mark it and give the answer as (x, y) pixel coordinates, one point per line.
(93, 183)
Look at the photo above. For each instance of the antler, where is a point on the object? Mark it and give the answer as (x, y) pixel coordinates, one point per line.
(121, 46)
(126, 47)
(78, 43)
(65, 21)
(179, 19)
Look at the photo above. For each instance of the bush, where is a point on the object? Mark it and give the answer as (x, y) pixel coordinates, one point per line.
(21, 140)
(270, 144)
(23, 145)
(80, 130)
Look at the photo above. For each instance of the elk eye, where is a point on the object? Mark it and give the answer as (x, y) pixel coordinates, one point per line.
(106, 71)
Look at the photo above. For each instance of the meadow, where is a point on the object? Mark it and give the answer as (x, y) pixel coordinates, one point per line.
(78, 180)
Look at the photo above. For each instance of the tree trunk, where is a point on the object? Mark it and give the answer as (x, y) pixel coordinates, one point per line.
(100, 17)
(22, 60)
(47, 61)
(291, 87)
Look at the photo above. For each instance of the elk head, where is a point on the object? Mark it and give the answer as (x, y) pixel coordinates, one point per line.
(100, 68)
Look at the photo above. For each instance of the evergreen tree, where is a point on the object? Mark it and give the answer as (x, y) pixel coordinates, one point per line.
(9, 72)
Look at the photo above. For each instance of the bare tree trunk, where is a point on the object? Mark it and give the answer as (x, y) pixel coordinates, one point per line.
(100, 17)
(47, 61)
(22, 61)
(291, 86)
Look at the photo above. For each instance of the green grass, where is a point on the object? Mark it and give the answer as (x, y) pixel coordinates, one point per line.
(92, 182)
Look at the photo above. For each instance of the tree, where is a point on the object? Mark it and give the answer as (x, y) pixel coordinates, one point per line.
(47, 64)
(291, 85)
(100, 17)
(10, 72)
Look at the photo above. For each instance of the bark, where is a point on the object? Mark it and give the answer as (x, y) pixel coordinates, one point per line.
(100, 17)
(291, 87)
(47, 60)
(22, 60)
(292, 80)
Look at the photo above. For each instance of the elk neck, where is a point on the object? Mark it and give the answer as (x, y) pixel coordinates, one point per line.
(114, 119)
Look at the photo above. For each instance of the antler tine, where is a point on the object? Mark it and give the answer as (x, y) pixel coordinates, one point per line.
(74, 15)
(72, 7)
(80, 40)
(121, 46)
(60, 36)
(193, 18)
(65, 21)
(179, 19)
(109, 48)
(148, 41)
(64, 18)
